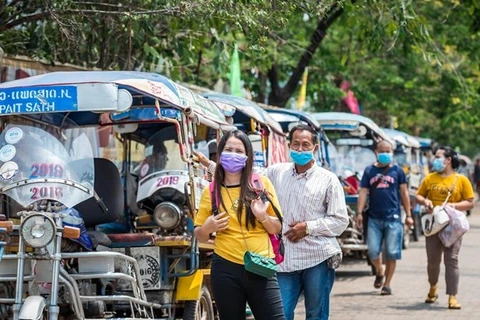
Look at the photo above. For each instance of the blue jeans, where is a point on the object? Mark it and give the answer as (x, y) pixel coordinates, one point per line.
(316, 283)
(390, 231)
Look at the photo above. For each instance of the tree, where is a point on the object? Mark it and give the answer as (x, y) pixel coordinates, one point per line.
(415, 60)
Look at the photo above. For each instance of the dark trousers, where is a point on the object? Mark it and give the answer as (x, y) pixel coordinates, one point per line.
(233, 287)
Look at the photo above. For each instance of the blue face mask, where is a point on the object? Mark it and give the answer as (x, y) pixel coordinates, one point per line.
(301, 157)
(438, 165)
(384, 158)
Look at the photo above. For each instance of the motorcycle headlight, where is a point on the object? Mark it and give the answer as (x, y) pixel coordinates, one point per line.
(38, 230)
(167, 215)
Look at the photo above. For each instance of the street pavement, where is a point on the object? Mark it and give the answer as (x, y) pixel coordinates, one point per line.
(354, 297)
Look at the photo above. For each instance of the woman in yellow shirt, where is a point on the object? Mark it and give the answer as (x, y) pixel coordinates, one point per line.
(243, 224)
(432, 192)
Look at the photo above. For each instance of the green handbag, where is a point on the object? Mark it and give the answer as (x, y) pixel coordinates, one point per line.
(256, 263)
(260, 265)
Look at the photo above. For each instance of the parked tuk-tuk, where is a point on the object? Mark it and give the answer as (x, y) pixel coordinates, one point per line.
(427, 153)
(354, 137)
(57, 191)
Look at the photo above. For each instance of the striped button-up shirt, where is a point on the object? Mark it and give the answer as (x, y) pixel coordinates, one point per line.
(315, 197)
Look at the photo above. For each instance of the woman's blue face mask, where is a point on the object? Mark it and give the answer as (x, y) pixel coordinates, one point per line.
(438, 164)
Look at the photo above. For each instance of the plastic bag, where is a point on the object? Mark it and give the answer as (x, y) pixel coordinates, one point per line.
(457, 227)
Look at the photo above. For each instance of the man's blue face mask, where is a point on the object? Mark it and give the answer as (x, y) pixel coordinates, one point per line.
(385, 157)
(301, 158)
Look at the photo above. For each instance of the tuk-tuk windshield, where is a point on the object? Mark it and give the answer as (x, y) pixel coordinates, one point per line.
(39, 165)
(400, 158)
(354, 158)
(162, 153)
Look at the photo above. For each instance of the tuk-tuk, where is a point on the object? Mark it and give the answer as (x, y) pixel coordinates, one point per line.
(57, 263)
(268, 139)
(354, 137)
(427, 146)
(289, 118)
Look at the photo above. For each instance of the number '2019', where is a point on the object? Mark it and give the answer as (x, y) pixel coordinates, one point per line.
(42, 170)
(167, 181)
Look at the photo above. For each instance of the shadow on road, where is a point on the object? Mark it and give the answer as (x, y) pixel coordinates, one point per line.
(360, 293)
(419, 306)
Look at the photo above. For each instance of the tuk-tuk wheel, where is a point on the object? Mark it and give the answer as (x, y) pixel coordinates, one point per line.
(199, 309)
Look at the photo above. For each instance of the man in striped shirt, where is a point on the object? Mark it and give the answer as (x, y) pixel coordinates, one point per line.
(315, 213)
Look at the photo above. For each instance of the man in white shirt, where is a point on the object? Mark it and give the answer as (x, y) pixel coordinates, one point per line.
(315, 213)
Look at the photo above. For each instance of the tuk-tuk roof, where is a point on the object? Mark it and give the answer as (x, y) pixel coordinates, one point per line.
(425, 143)
(402, 137)
(343, 121)
(247, 107)
(287, 115)
(101, 91)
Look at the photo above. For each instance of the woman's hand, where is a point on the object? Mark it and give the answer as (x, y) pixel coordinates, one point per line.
(259, 209)
(428, 205)
(216, 223)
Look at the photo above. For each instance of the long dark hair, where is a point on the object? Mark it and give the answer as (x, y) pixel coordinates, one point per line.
(450, 153)
(247, 191)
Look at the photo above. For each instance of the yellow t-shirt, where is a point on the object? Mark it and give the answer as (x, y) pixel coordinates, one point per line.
(435, 188)
(229, 243)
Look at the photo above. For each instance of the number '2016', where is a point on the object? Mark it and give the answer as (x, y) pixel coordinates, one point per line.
(46, 193)
(42, 170)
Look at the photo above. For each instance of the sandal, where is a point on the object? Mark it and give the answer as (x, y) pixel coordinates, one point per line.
(432, 295)
(378, 282)
(453, 303)
(386, 291)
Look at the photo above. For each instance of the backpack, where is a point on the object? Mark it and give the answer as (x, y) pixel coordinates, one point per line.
(275, 239)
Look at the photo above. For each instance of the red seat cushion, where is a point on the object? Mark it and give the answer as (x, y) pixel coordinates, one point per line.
(133, 237)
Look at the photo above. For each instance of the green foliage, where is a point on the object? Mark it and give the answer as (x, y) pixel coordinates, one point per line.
(416, 60)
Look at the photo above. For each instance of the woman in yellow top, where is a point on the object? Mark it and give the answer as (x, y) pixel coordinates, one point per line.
(243, 224)
(432, 192)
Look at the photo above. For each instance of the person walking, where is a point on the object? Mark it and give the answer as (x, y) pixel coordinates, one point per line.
(432, 192)
(315, 213)
(243, 223)
(386, 186)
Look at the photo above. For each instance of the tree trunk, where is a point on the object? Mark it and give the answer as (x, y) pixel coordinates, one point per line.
(279, 96)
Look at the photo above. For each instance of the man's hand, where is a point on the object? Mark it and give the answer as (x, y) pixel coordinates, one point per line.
(202, 158)
(297, 231)
(359, 221)
(409, 221)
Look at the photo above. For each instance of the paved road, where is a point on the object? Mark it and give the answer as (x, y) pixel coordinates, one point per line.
(354, 297)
